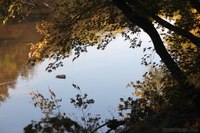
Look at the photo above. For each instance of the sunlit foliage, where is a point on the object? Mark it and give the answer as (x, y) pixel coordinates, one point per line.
(75, 25)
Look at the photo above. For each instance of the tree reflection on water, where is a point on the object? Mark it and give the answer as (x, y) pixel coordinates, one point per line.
(56, 121)
(13, 55)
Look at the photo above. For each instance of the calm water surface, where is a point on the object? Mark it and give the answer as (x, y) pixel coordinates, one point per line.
(103, 75)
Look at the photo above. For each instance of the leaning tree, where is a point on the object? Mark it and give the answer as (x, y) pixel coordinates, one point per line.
(74, 25)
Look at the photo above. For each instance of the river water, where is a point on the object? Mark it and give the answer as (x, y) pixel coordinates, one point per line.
(103, 75)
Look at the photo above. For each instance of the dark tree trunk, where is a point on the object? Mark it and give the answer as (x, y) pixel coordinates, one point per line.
(149, 28)
(192, 93)
(194, 39)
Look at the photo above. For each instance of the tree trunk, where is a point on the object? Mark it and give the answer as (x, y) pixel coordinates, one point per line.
(192, 93)
(149, 28)
(194, 39)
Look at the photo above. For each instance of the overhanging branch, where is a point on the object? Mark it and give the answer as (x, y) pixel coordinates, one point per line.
(148, 27)
(194, 39)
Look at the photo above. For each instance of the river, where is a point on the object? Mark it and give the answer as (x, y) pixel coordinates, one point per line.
(103, 75)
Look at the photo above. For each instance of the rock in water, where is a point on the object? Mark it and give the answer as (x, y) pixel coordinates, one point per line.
(61, 76)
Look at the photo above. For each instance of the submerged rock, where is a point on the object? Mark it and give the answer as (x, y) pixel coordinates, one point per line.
(61, 76)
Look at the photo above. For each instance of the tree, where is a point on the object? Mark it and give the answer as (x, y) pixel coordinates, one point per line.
(76, 25)
(161, 102)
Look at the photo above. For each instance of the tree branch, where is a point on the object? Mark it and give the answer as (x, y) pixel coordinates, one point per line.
(192, 93)
(148, 27)
(194, 39)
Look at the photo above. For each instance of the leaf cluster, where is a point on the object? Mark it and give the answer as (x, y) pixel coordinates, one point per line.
(47, 105)
(83, 103)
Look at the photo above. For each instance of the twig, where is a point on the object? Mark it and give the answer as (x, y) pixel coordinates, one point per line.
(100, 126)
(6, 83)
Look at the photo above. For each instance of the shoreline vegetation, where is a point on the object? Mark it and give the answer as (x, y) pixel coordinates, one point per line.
(168, 93)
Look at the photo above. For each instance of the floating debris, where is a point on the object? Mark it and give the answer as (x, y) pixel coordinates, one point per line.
(61, 76)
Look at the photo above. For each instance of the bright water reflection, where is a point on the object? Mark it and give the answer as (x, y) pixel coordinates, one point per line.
(103, 75)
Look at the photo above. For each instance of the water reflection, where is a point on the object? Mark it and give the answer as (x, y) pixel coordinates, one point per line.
(13, 55)
(101, 74)
(56, 121)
